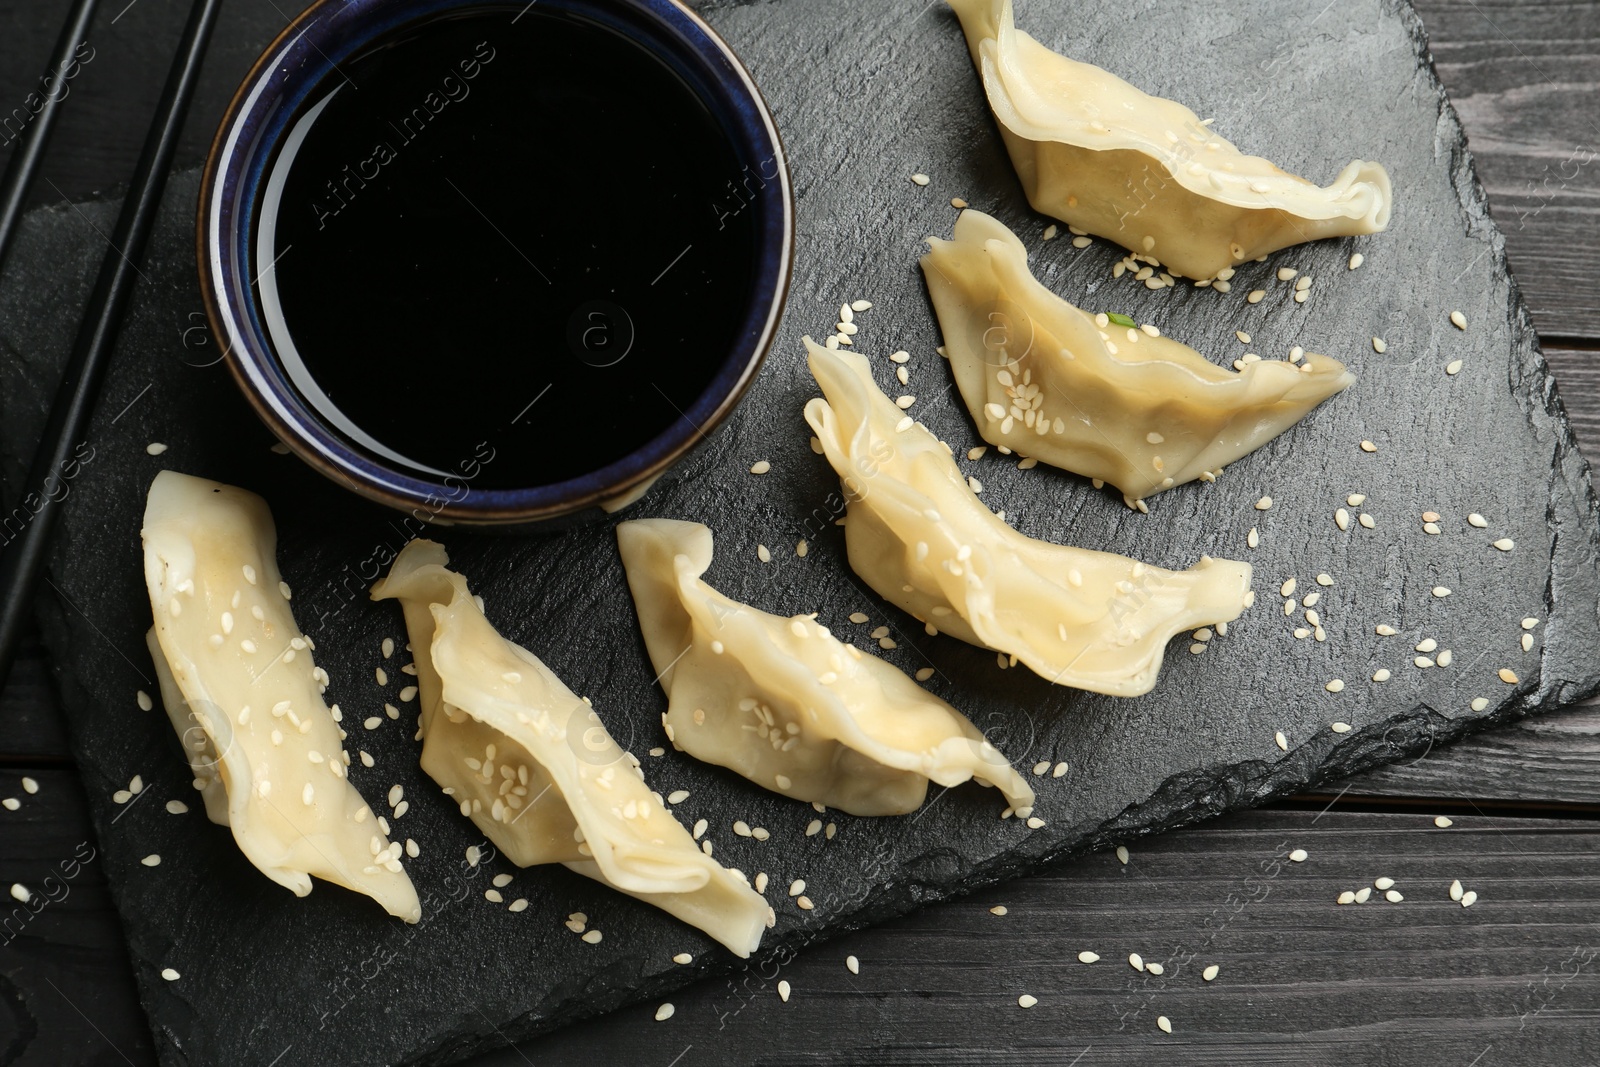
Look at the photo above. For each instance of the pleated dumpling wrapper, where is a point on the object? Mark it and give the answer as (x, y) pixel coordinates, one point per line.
(240, 687)
(1145, 172)
(1092, 396)
(533, 767)
(784, 702)
(916, 533)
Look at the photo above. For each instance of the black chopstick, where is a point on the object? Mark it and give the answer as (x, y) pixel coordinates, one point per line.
(32, 139)
(23, 559)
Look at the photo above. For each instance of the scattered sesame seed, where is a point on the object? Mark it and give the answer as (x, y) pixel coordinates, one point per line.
(121, 796)
(1253, 538)
(1082, 242)
(1341, 519)
(1060, 770)
(1477, 520)
(683, 957)
(957, 203)
(1243, 337)
(920, 179)
(1367, 521)
(1368, 446)
(1340, 727)
(1210, 972)
(1356, 260)
(1347, 897)
(664, 1013)
(1383, 883)
(1156, 969)
(1136, 961)
(1164, 1023)
(1383, 629)
(924, 673)
(1505, 544)
(852, 964)
(1088, 957)
(1453, 368)
(170, 975)
(803, 903)
(1264, 503)
(800, 550)
(1381, 674)
(1122, 854)
(1469, 898)
(155, 448)
(1297, 856)
(1050, 232)
(760, 466)
(1479, 703)
(176, 807)
(1281, 741)
(593, 937)
(19, 892)
(1393, 896)
(1379, 345)
(152, 860)
(145, 703)
(1458, 320)
(1441, 591)
(998, 909)
(1509, 676)
(1286, 274)
(1335, 686)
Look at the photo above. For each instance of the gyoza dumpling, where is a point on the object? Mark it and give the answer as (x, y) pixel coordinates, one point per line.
(784, 702)
(1099, 399)
(1097, 153)
(271, 762)
(916, 533)
(530, 763)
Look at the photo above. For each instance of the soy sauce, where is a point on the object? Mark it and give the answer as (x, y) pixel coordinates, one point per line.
(505, 239)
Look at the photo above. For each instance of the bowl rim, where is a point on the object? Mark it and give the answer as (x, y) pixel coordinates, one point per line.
(248, 355)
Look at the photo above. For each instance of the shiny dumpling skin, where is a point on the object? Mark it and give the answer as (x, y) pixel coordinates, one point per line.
(915, 532)
(574, 796)
(239, 685)
(1142, 412)
(1143, 171)
(784, 702)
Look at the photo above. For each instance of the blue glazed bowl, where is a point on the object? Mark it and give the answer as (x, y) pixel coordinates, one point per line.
(262, 111)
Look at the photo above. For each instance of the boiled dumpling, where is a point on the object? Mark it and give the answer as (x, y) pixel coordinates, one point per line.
(784, 702)
(242, 692)
(916, 533)
(533, 767)
(1145, 172)
(1091, 396)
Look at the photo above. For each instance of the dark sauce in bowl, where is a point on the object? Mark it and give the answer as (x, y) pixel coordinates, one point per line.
(507, 238)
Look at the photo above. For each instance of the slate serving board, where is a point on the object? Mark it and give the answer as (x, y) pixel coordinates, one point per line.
(864, 95)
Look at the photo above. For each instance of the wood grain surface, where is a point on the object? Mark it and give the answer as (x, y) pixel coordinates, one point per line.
(1511, 980)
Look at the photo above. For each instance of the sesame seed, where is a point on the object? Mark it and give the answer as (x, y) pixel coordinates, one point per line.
(145, 703)
(1381, 674)
(784, 989)
(1136, 961)
(1122, 854)
(1243, 337)
(121, 796)
(1453, 368)
(1060, 770)
(152, 860)
(1477, 520)
(1050, 232)
(1469, 898)
(1264, 503)
(1383, 629)
(593, 937)
(1088, 957)
(1346, 897)
(1034, 822)
(957, 203)
(1210, 972)
(1341, 519)
(1383, 883)
(1368, 446)
(1441, 591)
(924, 673)
(664, 1013)
(1335, 686)
(1479, 703)
(1367, 521)
(797, 887)
(852, 964)
(1356, 260)
(1422, 661)
(998, 909)
(1286, 274)
(1156, 969)
(1253, 538)
(1458, 320)
(1363, 894)
(155, 448)
(170, 975)
(1281, 741)
(1164, 1023)
(1340, 727)
(1393, 896)
(920, 179)
(800, 550)
(1027, 1001)
(1297, 856)
(1379, 345)
(520, 904)
(1527, 642)
(1444, 658)
(760, 466)
(1505, 544)
(1509, 676)
(413, 850)
(1081, 242)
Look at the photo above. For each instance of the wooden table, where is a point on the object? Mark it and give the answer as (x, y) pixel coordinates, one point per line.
(1513, 979)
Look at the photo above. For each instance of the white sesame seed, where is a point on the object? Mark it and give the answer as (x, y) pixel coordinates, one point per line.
(1393, 896)
(664, 1012)
(921, 179)
(1441, 591)
(1164, 1023)
(760, 466)
(1458, 320)
(593, 937)
(1156, 969)
(1356, 260)
(1379, 345)
(1253, 538)
(136, 784)
(1347, 897)
(1383, 629)
(1509, 676)
(1281, 741)
(170, 975)
(1368, 446)
(1335, 686)
(800, 550)
(152, 860)
(1469, 898)
(121, 796)
(1264, 503)
(784, 989)
(1088, 957)
(1297, 856)
(1453, 368)
(145, 703)
(1341, 519)
(1050, 232)
(176, 807)
(852, 964)
(1210, 972)
(1383, 883)
(998, 909)
(1381, 674)
(1505, 544)
(958, 203)
(1122, 854)
(1256, 296)
(1363, 894)
(155, 448)
(1340, 727)
(1477, 520)
(1136, 961)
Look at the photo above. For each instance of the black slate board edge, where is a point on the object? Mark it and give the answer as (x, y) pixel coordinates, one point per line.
(1205, 792)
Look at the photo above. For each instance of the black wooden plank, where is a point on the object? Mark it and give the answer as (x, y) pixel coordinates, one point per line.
(1525, 78)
